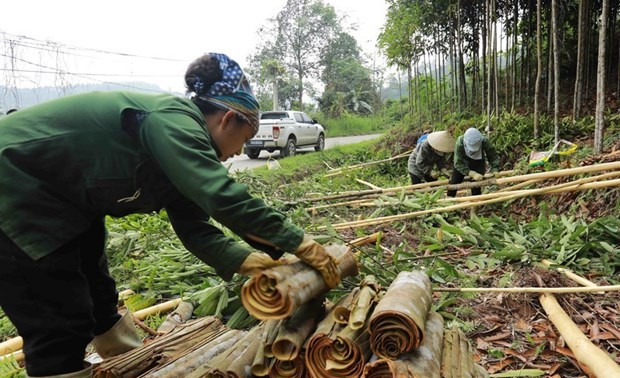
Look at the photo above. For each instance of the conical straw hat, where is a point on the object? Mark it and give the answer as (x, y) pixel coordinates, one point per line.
(441, 141)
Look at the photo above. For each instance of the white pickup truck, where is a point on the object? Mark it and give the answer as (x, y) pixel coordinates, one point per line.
(285, 130)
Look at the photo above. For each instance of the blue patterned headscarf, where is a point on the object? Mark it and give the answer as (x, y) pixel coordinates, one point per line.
(230, 92)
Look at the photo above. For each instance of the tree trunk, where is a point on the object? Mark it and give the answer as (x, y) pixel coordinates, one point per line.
(580, 59)
(613, 12)
(454, 89)
(301, 91)
(514, 53)
(507, 68)
(549, 82)
(462, 83)
(495, 63)
(275, 93)
(556, 71)
(600, 81)
(528, 54)
(410, 89)
(491, 60)
(484, 57)
(538, 70)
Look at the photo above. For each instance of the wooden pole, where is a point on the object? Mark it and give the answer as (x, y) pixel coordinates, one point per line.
(162, 307)
(570, 186)
(11, 345)
(371, 186)
(569, 273)
(585, 352)
(499, 179)
(339, 171)
(564, 290)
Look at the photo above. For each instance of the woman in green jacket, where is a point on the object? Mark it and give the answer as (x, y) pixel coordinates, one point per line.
(67, 163)
(471, 151)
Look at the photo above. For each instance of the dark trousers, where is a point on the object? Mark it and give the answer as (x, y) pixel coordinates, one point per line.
(417, 180)
(59, 302)
(457, 177)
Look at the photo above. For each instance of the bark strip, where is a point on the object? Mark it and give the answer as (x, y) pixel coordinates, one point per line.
(397, 325)
(424, 362)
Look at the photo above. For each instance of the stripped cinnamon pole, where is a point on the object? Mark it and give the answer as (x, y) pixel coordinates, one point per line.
(500, 179)
(570, 186)
(372, 238)
(397, 325)
(598, 361)
(11, 345)
(276, 293)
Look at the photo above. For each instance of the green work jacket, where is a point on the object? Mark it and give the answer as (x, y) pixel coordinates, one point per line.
(69, 161)
(461, 160)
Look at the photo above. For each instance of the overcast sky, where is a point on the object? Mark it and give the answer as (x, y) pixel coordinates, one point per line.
(178, 32)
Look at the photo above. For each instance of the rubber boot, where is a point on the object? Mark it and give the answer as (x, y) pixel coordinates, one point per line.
(121, 338)
(86, 373)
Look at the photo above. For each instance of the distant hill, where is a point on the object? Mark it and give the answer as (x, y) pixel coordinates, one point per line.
(18, 98)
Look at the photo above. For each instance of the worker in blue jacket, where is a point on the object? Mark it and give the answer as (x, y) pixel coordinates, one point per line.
(68, 163)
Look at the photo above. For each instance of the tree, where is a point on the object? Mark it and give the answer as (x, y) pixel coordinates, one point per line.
(538, 69)
(345, 77)
(581, 48)
(599, 123)
(304, 27)
(556, 70)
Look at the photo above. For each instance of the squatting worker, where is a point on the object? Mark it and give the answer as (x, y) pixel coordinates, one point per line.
(67, 163)
(427, 155)
(471, 151)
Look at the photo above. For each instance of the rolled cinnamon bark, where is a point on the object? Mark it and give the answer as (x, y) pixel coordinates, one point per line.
(276, 293)
(397, 325)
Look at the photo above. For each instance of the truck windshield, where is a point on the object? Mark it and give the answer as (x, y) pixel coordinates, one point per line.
(273, 116)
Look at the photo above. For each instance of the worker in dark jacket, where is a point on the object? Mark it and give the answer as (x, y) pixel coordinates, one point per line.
(428, 155)
(471, 152)
(67, 163)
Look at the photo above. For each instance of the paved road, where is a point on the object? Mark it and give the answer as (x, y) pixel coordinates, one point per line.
(243, 162)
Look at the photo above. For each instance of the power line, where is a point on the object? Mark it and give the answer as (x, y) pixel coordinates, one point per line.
(57, 71)
(47, 43)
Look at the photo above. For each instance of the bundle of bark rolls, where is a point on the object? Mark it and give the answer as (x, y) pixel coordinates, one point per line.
(371, 332)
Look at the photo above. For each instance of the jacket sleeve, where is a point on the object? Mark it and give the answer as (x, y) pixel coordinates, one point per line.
(460, 159)
(424, 159)
(204, 240)
(183, 150)
(491, 154)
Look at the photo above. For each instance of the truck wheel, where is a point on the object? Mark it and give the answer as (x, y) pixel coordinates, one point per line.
(320, 143)
(290, 149)
(252, 152)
